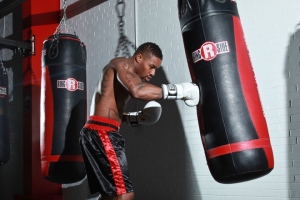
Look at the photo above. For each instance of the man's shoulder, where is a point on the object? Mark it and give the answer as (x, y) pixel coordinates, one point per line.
(119, 63)
(118, 59)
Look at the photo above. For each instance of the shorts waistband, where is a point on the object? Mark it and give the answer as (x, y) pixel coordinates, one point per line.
(103, 121)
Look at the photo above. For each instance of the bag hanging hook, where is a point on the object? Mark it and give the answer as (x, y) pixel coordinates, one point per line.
(123, 42)
(64, 22)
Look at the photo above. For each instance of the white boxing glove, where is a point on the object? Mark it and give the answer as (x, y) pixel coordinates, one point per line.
(189, 92)
(149, 115)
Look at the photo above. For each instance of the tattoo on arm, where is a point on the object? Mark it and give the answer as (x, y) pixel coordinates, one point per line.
(131, 77)
(141, 86)
(104, 83)
(125, 64)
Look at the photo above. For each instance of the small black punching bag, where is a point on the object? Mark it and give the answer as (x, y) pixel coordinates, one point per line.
(63, 108)
(232, 124)
(4, 125)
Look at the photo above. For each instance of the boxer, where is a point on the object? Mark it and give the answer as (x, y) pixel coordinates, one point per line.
(101, 143)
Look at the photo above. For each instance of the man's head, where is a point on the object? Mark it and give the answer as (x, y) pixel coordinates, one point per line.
(150, 49)
(148, 57)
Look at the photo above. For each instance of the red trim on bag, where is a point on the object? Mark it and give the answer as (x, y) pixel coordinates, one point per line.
(46, 145)
(242, 146)
(269, 153)
(249, 86)
(67, 38)
(247, 78)
(62, 158)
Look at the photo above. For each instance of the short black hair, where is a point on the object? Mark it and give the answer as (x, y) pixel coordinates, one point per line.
(150, 49)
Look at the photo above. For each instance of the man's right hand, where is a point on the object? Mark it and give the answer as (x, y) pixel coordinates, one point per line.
(149, 115)
(189, 92)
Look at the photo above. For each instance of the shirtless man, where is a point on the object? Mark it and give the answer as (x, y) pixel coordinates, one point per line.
(101, 143)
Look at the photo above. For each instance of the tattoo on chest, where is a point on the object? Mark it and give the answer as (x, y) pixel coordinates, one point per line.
(112, 113)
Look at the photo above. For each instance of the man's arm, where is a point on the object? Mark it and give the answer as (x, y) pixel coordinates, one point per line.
(134, 84)
(189, 92)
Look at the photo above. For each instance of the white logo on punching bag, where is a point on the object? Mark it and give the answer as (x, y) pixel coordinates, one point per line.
(70, 84)
(209, 50)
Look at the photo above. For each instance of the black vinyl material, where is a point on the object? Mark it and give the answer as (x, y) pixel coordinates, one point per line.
(4, 123)
(210, 41)
(63, 107)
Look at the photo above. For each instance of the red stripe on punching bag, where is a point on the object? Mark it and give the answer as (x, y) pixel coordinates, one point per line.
(46, 125)
(65, 38)
(249, 86)
(55, 158)
(236, 147)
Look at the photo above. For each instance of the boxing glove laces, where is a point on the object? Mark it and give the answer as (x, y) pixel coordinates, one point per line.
(188, 92)
(149, 115)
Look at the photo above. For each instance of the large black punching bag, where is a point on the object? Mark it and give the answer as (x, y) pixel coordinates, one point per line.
(4, 125)
(232, 124)
(63, 107)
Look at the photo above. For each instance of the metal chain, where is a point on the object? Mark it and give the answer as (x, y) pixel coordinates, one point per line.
(4, 72)
(64, 21)
(123, 43)
(1, 64)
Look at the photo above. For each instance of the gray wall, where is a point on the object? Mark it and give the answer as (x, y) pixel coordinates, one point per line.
(166, 160)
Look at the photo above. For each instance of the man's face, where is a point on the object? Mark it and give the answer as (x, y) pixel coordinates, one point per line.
(147, 66)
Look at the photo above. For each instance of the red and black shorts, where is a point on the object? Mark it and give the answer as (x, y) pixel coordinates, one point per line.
(103, 150)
